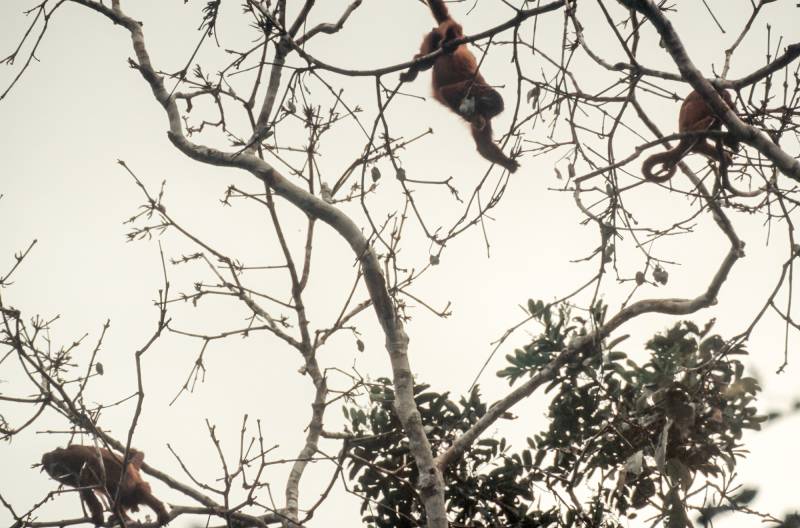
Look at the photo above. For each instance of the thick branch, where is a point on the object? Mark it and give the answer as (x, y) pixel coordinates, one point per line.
(792, 52)
(430, 484)
(583, 345)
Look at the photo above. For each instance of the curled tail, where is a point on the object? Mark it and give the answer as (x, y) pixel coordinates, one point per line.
(668, 162)
(439, 10)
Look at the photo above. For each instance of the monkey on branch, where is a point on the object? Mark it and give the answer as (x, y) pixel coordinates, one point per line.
(99, 471)
(695, 116)
(459, 85)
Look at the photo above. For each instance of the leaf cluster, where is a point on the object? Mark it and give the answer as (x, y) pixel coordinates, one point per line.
(643, 434)
(634, 435)
(489, 486)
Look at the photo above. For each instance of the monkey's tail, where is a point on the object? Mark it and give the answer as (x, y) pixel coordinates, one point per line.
(660, 158)
(439, 10)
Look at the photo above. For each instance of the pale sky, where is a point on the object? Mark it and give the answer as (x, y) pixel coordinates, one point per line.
(81, 108)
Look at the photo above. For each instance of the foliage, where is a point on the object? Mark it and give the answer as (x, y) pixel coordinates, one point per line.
(638, 435)
(489, 486)
(657, 427)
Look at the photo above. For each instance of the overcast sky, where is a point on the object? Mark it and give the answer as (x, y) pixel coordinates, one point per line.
(80, 108)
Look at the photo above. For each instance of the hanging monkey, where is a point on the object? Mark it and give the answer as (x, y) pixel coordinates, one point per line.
(695, 116)
(459, 85)
(99, 471)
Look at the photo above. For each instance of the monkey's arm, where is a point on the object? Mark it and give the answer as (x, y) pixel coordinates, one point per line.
(430, 44)
(411, 74)
(136, 458)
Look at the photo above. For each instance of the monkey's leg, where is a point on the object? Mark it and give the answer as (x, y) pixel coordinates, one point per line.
(489, 150)
(96, 509)
(707, 149)
(120, 516)
(707, 123)
(698, 145)
(487, 101)
(156, 505)
(731, 141)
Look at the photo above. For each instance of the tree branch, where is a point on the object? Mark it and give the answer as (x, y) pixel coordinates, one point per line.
(430, 483)
(744, 132)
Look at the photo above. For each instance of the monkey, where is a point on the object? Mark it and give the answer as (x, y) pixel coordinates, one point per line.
(99, 471)
(459, 85)
(695, 116)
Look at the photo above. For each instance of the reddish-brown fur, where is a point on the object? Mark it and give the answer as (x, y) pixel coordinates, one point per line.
(459, 85)
(695, 116)
(80, 466)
